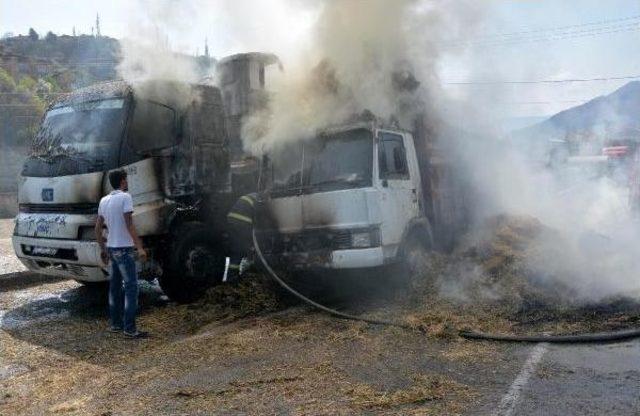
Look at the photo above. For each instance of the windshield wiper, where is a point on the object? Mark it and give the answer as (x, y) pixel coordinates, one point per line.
(294, 190)
(335, 181)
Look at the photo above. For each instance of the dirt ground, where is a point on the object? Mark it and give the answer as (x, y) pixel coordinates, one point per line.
(251, 356)
(57, 357)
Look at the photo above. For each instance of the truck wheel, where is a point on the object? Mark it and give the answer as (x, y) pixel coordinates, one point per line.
(416, 260)
(195, 262)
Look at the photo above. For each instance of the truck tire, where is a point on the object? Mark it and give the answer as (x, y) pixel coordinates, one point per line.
(415, 259)
(194, 262)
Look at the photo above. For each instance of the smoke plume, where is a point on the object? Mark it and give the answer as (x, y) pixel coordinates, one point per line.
(385, 56)
(363, 56)
(361, 50)
(148, 55)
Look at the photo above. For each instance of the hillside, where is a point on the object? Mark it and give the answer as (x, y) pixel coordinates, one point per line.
(65, 61)
(614, 117)
(33, 71)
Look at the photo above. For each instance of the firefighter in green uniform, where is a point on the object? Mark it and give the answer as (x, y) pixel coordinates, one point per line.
(240, 220)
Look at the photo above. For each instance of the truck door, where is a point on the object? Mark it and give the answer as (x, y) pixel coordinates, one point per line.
(399, 194)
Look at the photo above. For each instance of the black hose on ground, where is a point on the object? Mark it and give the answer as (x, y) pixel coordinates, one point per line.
(568, 339)
(305, 299)
(472, 335)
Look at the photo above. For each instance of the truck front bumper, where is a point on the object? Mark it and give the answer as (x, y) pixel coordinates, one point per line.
(336, 259)
(81, 259)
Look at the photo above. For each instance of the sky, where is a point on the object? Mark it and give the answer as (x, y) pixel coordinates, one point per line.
(538, 54)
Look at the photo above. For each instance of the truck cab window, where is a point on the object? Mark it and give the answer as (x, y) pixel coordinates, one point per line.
(153, 127)
(392, 157)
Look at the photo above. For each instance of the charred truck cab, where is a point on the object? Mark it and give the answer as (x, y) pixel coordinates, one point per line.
(358, 196)
(171, 140)
(181, 147)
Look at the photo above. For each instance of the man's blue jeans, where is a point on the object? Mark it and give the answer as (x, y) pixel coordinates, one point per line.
(123, 299)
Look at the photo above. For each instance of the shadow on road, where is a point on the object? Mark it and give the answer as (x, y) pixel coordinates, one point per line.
(73, 321)
(24, 280)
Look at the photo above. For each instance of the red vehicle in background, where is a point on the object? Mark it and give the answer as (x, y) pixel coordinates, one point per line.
(622, 158)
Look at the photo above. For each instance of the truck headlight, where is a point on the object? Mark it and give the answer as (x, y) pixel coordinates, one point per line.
(361, 239)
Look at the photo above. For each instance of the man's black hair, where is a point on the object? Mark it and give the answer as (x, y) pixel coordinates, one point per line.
(116, 177)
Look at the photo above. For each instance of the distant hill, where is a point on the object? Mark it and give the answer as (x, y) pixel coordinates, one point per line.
(66, 61)
(35, 70)
(519, 123)
(611, 118)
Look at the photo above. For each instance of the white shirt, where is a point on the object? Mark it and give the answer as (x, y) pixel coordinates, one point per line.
(112, 208)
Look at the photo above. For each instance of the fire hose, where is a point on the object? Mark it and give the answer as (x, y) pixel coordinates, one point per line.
(472, 335)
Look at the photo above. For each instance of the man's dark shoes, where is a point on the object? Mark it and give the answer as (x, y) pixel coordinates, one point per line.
(136, 335)
(114, 329)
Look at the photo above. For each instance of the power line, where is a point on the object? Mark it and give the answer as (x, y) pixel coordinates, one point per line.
(603, 27)
(543, 102)
(544, 81)
(568, 35)
(572, 35)
(559, 28)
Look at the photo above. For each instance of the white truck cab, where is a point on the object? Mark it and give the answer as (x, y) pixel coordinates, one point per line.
(180, 145)
(176, 158)
(349, 199)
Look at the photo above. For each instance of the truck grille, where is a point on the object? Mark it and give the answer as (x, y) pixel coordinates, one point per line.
(85, 208)
(73, 269)
(307, 241)
(51, 252)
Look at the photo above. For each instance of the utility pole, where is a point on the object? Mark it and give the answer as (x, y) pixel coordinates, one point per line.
(206, 48)
(97, 25)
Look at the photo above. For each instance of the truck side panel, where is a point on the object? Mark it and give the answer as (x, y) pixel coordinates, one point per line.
(446, 194)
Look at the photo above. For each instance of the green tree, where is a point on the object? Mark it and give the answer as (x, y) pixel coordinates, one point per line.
(26, 84)
(33, 35)
(7, 83)
(53, 83)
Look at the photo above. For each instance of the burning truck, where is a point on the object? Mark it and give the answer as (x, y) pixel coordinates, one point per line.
(362, 195)
(175, 141)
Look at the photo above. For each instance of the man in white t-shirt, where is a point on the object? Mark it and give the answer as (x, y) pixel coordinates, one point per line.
(115, 212)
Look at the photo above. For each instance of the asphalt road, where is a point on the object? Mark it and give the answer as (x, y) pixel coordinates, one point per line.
(521, 379)
(574, 380)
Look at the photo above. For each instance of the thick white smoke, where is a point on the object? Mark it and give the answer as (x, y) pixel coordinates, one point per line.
(361, 45)
(358, 53)
(148, 55)
(352, 58)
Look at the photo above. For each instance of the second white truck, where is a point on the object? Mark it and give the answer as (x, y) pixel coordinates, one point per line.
(362, 195)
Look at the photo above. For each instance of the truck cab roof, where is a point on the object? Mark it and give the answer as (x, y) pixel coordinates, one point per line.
(363, 124)
(172, 93)
(99, 91)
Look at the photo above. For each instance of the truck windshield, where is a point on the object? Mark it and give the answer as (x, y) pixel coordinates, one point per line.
(336, 161)
(78, 138)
